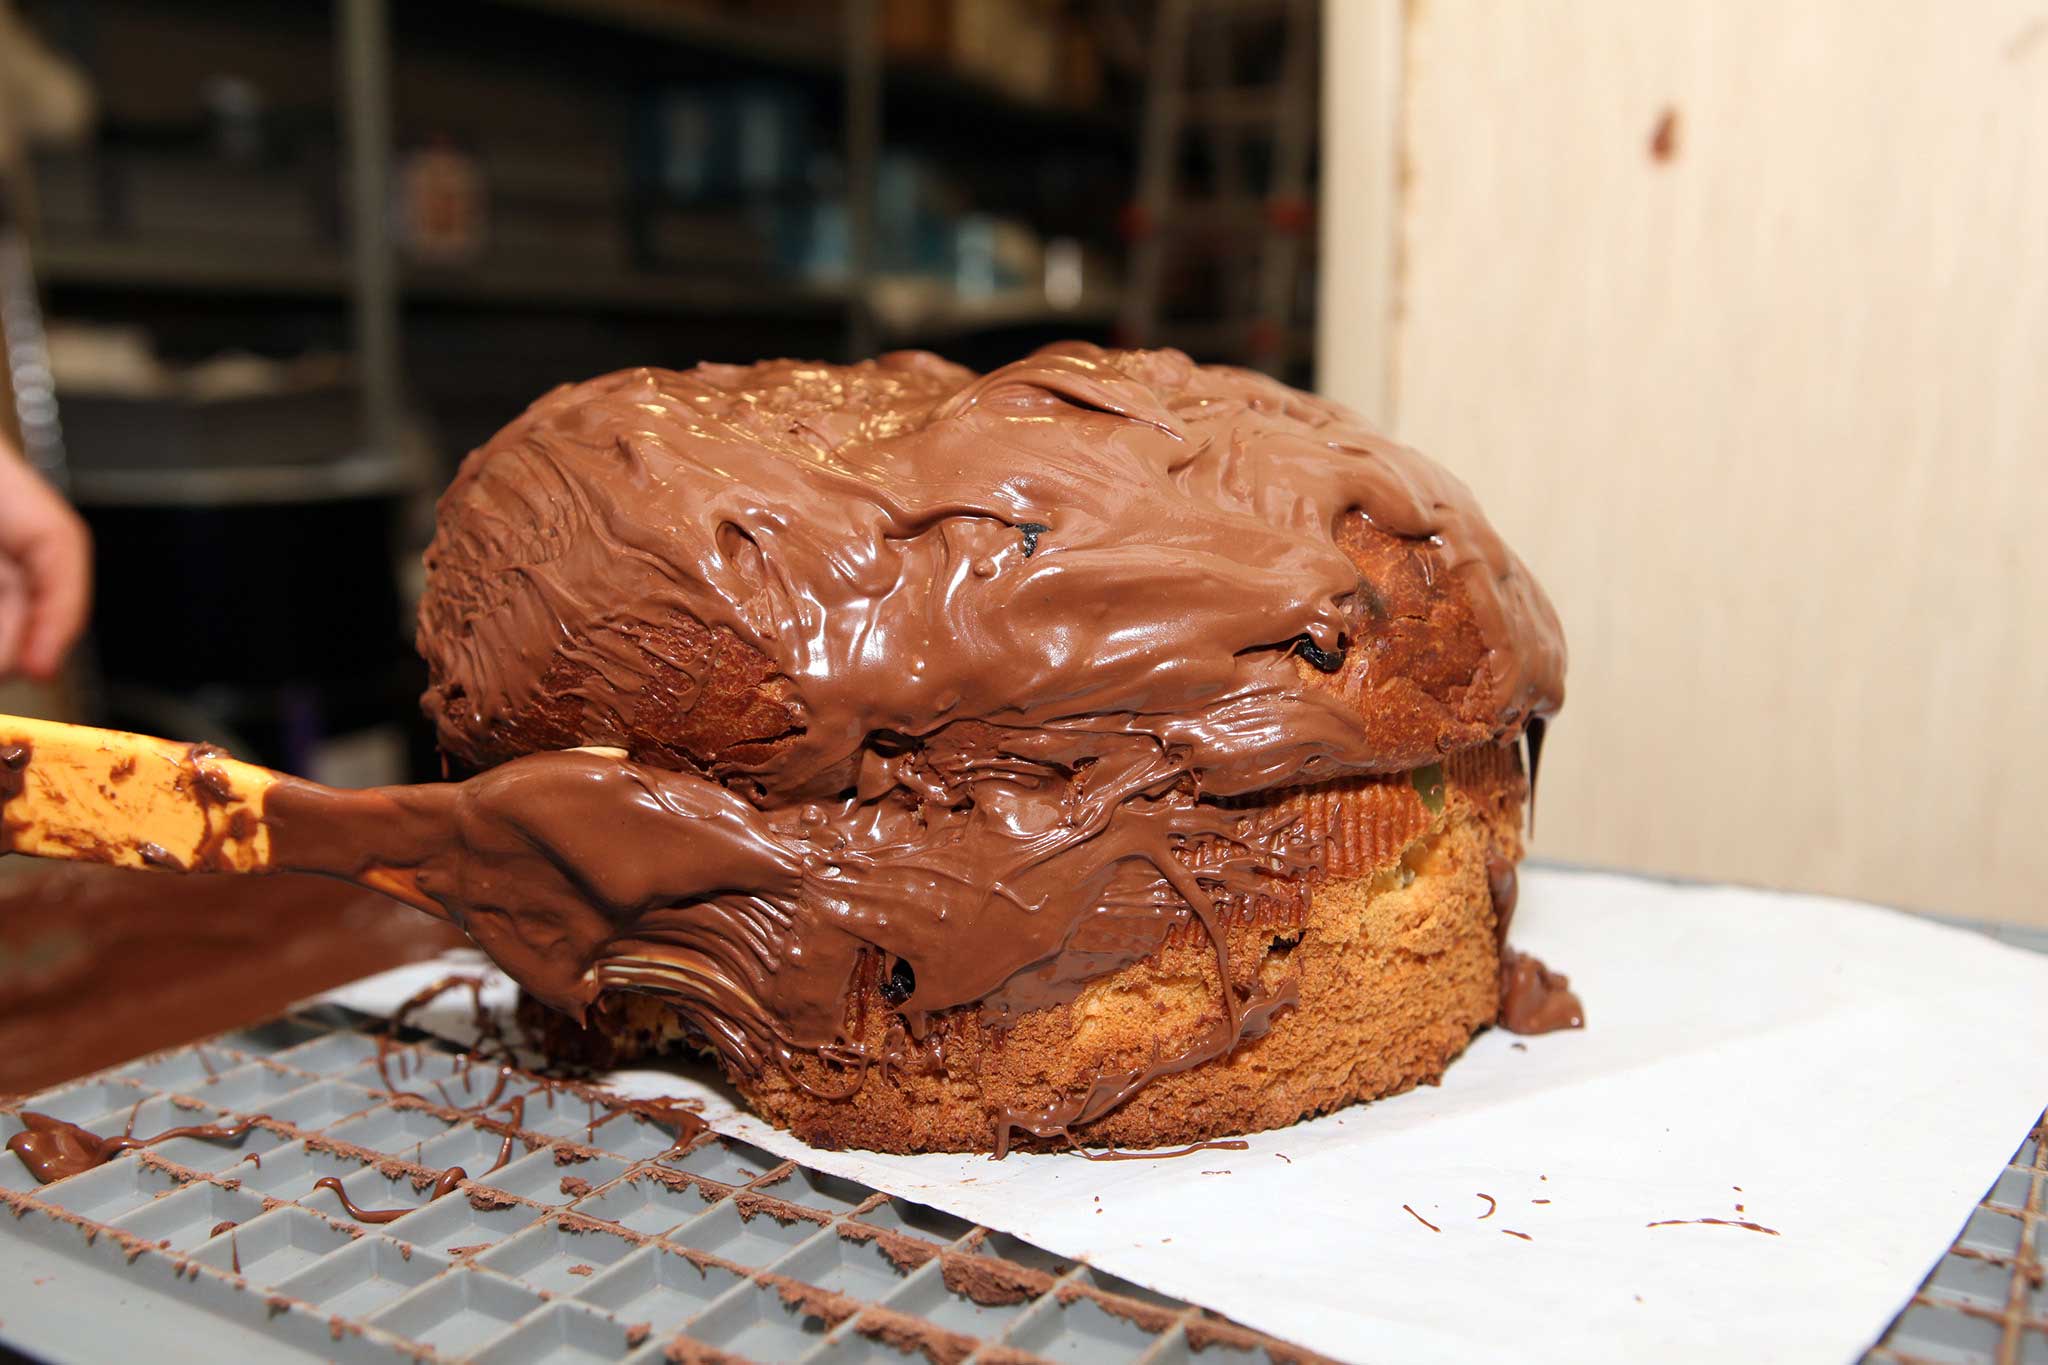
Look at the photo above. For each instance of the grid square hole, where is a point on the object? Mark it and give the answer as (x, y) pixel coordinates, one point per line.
(454, 1226)
(1078, 1332)
(658, 1287)
(77, 1103)
(247, 1088)
(475, 1150)
(858, 1269)
(363, 1277)
(14, 1173)
(390, 1130)
(290, 1171)
(428, 1072)
(372, 1191)
(187, 1218)
(270, 1037)
(1117, 1284)
(644, 1203)
(850, 1346)
(1177, 1350)
(758, 1241)
(725, 1160)
(561, 1114)
(927, 1295)
(919, 1220)
(1986, 1284)
(539, 1177)
(332, 1054)
(560, 1334)
(458, 1312)
(180, 1070)
(832, 1194)
(320, 1105)
(270, 1249)
(110, 1191)
(1944, 1335)
(1003, 1245)
(1989, 1231)
(2011, 1188)
(149, 1118)
(212, 1155)
(554, 1259)
(755, 1321)
(629, 1136)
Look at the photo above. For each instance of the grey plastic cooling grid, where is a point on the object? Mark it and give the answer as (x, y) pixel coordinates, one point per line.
(602, 1239)
(1987, 1299)
(608, 1241)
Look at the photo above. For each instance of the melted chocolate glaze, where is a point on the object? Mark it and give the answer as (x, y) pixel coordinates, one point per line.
(54, 1149)
(1021, 630)
(1533, 998)
(328, 1182)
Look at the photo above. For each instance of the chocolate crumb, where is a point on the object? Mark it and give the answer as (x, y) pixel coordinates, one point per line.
(1714, 1222)
(1420, 1219)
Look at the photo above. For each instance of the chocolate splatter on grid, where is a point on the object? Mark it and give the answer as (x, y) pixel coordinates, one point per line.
(600, 1235)
(1987, 1299)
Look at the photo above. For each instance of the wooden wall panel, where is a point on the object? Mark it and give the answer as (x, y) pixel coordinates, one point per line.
(1768, 416)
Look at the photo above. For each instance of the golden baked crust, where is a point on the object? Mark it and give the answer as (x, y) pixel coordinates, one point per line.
(1395, 955)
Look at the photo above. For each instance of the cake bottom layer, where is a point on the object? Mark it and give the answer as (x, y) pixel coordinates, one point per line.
(1392, 961)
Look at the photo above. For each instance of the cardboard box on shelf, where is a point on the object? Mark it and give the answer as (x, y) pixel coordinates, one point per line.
(1013, 44)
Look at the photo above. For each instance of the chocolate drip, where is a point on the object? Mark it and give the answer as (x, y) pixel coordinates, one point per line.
(348, 1206)
(1504, 887)
(443, 1185)
(1534, 999)
(14, 761)
(54, 1149)
(1533, 734)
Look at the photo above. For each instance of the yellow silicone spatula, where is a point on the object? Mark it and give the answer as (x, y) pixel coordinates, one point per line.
(105, 796)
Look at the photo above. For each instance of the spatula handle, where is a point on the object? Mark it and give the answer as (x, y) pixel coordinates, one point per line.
(106, 796)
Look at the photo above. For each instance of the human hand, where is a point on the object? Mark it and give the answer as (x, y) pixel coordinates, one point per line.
(45, 571)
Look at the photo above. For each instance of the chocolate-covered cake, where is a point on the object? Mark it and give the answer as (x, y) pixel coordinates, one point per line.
(1106, 749)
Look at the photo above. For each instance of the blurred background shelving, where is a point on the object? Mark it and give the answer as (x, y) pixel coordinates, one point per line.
(306, 256)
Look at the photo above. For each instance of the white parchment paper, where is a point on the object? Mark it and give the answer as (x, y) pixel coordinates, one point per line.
(1851, 1077)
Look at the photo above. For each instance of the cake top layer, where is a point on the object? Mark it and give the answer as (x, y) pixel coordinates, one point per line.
(752, 571)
